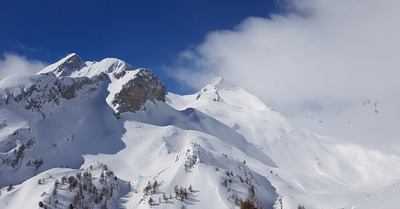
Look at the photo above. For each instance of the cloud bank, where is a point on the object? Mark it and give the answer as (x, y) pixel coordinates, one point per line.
(324, 57)
(15, 64)
(322, 54)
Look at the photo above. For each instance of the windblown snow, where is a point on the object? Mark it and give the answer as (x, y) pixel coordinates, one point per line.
(65, 142)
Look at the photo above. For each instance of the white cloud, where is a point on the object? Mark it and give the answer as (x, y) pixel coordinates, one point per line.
(327, 57)
(16, 64)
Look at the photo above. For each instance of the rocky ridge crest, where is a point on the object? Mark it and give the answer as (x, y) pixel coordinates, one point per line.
(71, 77)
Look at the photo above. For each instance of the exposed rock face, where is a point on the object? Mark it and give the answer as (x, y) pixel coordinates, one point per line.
(26, 140)
(137, 91)
(69, 91)
(72, 77)
(50, 90)
(72, 62)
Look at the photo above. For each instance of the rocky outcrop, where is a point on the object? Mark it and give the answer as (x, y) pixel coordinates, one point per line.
(137, 91)
(12, 152)
(49, 90)
(72, 77)
(69, 64)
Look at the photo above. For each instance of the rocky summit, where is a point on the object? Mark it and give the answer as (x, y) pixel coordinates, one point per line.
(137, 91)
(129, 89)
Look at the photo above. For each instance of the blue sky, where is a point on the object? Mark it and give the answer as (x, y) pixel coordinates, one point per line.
(147, 33)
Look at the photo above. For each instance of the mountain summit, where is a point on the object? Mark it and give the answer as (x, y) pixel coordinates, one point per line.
(66, 66)
(71, 77)
(82, 134)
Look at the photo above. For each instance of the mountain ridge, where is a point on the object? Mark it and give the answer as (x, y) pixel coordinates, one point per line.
(217, 148)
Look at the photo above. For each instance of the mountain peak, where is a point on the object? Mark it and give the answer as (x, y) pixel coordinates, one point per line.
(124, 88)
(72, 55)
(65, 66)
(223, 90)
(220, 83)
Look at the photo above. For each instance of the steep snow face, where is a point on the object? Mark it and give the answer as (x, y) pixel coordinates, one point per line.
(121, 146)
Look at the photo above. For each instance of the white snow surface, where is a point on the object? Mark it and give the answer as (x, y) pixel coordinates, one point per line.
(198, 141)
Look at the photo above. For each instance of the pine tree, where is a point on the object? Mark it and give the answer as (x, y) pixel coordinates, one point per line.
(155, 185)
(164, 197)
(301, 207)
(252, 193)
(151, 201)
(176, 190)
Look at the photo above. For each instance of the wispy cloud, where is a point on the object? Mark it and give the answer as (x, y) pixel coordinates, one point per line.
(16, 64)
(26, 48)
(324, 56)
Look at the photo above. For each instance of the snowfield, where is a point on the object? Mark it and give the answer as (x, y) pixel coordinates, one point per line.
(217, 148)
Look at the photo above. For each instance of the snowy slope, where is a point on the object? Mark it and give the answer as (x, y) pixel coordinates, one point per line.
(316, 171)
(212, 149)
(387, 197)
(362, 122)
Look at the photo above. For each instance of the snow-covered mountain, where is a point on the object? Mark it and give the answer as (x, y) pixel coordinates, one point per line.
(105, 135)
